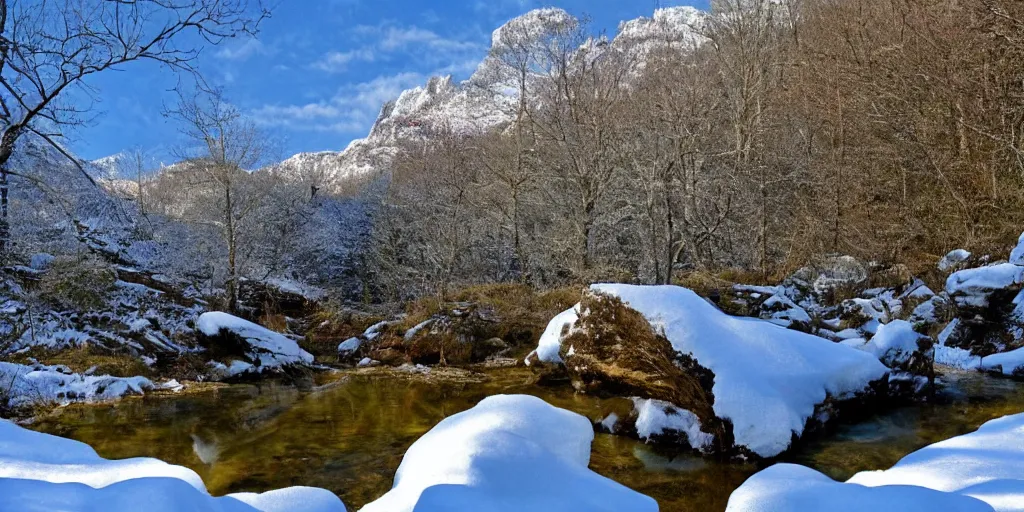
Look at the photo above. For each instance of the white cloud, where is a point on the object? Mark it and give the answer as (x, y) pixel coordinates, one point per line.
(387, 41)
(244, 50)
(352, 109)
(334, 62)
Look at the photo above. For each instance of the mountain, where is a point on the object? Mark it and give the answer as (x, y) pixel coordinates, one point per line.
(485, 101)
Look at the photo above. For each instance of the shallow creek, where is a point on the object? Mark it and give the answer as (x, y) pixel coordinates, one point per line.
(349, 436)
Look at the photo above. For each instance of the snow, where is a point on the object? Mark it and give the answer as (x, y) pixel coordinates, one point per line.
(268, 348)
(956, 358)
(1017, 254)
(788, 312)
(373, 331)
(656, 417)
(40, 472)
(551, 339)
(411, 333)
(793, 488)
(303, 290)
(41, 261)
(40, 384)
(987, 464)
(349, 346)
(952, 260)
(982, 471)
(1009, 363)
(509, 453)
(927, 311)
(894, 342)
(972, 287)
(768, 379)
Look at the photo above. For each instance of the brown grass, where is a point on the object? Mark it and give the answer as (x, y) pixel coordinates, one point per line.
(617, 352)
(82, 358)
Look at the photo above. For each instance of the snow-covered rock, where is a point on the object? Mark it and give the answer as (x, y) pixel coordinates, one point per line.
(831, 273)
(1017, 254)
(953, 260)
(975, 287)
(896, 343)
(262, 348)
(980, 471)
(794, 488)
(41, 261)
(39, 384)
(506, 454)
(767, 379)
(1010, 364)
(349, 346)
(660, 418)
(40, 472)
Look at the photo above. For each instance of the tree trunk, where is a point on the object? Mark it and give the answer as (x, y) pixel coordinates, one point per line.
(232, 252)
(5, 223)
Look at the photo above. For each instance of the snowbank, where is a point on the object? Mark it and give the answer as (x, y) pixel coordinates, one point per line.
(509, 453)
(1009, 363)
(40, 472)
(793, 488)
(266, 349)
(768, 379)
(983, 470)
(39, 384)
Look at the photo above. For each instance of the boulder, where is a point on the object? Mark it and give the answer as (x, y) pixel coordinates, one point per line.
(754, 385)
(239, 347)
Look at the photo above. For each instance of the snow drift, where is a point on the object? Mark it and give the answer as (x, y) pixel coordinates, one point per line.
(982, 471)
(509, 453)
(40, 472)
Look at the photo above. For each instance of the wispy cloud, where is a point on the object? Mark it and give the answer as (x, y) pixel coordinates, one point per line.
(387, 41)
(335, 62)
(243, 50)
(351, 110)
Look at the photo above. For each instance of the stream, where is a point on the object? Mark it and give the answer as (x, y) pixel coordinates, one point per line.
(349, 436)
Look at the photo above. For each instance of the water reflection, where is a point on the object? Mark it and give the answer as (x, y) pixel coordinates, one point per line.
(350, 437)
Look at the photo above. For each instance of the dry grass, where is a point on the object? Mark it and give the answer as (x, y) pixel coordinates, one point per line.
(617, 352)
(81, 359)
(331, 326)
(78, 283)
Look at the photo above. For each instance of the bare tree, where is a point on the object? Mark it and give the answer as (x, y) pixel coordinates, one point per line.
(50, 48)
(229, 146)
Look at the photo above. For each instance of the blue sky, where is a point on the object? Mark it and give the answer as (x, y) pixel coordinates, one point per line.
(318, 72)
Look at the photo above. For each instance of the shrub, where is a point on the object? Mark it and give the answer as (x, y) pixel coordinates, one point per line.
(77, 282)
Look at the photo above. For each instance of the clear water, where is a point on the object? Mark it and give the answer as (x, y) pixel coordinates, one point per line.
(349, 437)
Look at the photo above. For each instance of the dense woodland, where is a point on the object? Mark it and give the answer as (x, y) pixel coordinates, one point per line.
(888, 130)
(755, 139)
